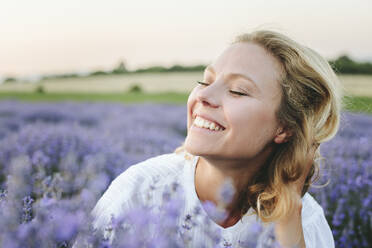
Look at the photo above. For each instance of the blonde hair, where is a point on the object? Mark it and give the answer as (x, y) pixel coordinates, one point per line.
(310, 108)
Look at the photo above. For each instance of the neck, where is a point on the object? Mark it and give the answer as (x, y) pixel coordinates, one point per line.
(210, 176)
(211, 173)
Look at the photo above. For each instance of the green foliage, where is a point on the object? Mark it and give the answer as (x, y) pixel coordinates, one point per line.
(135, 88)
(358, 104)
(152, 69)
(96, 73)
(120, 69)
(10, 80)
(40, 89)
(346, 65)
(180, 68)
(57, 76)
(174, 68)
(164, 97)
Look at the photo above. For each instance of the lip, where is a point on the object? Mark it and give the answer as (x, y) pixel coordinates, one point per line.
(207, 118)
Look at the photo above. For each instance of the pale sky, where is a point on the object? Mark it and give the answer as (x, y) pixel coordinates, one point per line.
(49, 36)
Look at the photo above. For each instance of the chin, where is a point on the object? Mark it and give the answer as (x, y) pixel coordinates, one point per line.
(189, 148)
(192, 148)
(196, 150)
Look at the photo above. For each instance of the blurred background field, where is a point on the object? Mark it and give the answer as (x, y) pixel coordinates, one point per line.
(181, 82)
(171, 87)
(149, 82)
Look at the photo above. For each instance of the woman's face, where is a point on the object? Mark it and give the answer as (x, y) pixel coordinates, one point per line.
(249, 120)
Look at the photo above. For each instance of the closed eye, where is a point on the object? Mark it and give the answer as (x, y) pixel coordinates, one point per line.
(238, 93)
(202, 83)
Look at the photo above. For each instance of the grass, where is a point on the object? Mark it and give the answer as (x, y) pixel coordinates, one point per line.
(354, 104)
(358, 104)
(166, 97)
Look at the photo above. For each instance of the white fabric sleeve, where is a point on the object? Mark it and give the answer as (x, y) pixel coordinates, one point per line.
(118, 197)
(317, 233)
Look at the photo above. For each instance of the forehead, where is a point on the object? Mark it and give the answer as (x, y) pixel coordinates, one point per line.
(253, 61)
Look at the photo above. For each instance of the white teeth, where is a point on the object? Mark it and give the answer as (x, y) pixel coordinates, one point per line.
(212, 126)
(206, 124)
(196, 121)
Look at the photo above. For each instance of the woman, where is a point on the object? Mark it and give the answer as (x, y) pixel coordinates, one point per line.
(257, 119)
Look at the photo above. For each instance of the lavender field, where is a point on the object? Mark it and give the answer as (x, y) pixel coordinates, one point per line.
(57, 159)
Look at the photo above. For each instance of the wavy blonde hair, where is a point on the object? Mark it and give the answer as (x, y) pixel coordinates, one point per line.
(310, 108)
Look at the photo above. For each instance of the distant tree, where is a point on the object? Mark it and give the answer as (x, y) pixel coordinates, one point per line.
(68, 75)
(174, 68)
(187, 68)
(40, 89)
(135, 88)
(153, 69)
(57, 76)
(198, 67)
(10, 80)
(344, 64)
(96, 73)
(120, 68)
(177, 68)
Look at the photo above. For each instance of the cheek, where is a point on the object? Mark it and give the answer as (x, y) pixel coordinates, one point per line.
(190, 105)
(253, 119)
(191, 98)
(264, 124)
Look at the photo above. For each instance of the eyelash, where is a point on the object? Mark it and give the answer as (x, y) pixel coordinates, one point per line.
(233, 92)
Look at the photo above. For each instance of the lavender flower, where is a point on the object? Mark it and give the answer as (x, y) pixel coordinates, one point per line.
(57, 159)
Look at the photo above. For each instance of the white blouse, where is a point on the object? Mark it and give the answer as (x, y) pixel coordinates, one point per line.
(134, 183)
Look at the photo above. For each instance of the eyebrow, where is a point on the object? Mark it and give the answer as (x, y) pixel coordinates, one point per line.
(233, 76)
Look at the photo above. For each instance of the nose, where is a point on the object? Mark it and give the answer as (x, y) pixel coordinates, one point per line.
(207, 97)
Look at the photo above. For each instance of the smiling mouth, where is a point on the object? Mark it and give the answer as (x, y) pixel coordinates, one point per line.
(206, 124)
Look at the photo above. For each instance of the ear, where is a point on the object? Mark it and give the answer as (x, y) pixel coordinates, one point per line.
(282, 135)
